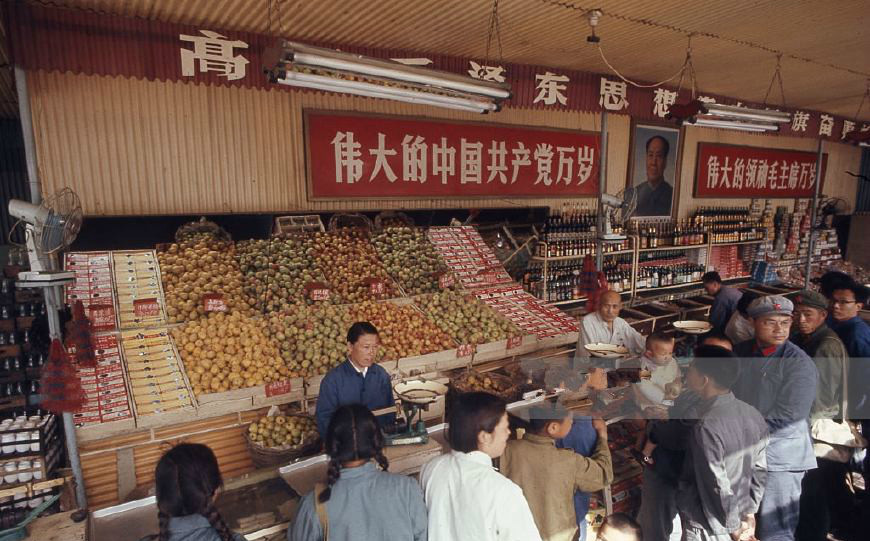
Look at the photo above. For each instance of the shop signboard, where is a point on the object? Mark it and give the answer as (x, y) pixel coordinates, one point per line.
(354, 156)
(744, 171)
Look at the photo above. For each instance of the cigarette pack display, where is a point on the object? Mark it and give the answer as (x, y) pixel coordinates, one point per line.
(139, 293)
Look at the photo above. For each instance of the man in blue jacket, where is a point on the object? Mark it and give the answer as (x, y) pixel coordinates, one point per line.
(779, 379)
(358, 380)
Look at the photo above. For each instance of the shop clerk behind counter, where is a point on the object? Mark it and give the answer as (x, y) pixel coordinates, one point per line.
(606, 327)
(358, 380)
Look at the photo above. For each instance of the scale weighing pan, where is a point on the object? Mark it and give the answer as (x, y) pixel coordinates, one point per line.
(693, 327)
(418, 391)
(607, 351)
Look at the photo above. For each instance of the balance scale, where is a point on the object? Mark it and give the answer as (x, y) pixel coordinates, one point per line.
(416, 395)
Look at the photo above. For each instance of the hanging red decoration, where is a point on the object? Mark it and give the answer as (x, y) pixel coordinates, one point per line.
(61, 386)
(78, 337)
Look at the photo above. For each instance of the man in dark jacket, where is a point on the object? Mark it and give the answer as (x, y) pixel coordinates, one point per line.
(725, 467)
(358, 380)
(823, 489)
(725, 299)
(780, 381)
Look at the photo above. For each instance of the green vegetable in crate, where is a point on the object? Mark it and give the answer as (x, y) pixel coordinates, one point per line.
(409, 258)
(466, 318)
(277, 270)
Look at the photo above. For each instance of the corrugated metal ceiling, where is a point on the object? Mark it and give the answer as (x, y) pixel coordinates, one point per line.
(824, 67)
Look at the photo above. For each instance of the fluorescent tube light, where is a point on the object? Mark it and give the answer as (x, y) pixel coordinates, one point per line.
(359, 88)
(746, 113)
(289, 63)
(734, 125)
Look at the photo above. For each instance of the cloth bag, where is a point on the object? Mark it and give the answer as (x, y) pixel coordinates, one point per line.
(837, 440)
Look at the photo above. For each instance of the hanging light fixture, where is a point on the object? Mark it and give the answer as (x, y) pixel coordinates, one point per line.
(300, 65)
(712, 122)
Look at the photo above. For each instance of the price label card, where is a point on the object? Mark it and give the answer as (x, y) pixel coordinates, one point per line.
(514, 342)
(214, 302)
(376, 286)
(446, 280)
(278, 387)
(317, 291)
(146, 307)
(102, 317)
(465, 350)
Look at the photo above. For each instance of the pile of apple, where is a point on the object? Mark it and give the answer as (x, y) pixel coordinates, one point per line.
(277, 270)
(403, 330)
(228, 351)
(311, 340)
(466, 318)
(350, 265)
(410, 259)
(197, 266)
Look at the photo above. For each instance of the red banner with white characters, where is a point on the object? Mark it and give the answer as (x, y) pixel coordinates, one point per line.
(741, 171)
(368, 156)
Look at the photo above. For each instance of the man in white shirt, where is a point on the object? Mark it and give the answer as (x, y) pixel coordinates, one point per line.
(606, 327)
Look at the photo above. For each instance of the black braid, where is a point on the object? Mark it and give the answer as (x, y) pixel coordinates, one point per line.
(332, 475)
(217, 522)
(382, 461)
(163, 520)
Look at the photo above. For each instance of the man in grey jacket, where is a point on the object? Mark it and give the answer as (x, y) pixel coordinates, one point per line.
(725, 470)
(780, 381)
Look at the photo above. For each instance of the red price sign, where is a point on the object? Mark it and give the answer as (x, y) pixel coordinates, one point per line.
(514, 342)
(102, 317)
(465, 350)
(377, 286)
(446, 280)
(214, 302)
(278, 387)
(146, 307)
(317, 291)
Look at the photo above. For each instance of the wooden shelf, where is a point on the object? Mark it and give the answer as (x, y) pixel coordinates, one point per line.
(573, 257)
(640, 292)
(673, 248)
(738, 243)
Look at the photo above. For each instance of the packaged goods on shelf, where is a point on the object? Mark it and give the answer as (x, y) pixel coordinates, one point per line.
(157, 379)
(93, 286)
(468, 256)
(137, 281)
(106, 398)
(530, 314)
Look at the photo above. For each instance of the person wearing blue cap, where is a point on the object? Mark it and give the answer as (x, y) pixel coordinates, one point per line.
(780, 380)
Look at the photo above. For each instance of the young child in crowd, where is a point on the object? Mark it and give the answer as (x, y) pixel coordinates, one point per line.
(550, 476)
(655, 394)
(582, 437)
(187, 480)
(619, 527)
(360, 499)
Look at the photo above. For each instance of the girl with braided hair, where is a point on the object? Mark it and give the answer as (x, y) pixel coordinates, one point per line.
(360, 499)
(187, 480)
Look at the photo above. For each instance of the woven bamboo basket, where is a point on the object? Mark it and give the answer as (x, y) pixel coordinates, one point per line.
(499, 385)
(264, 457)
(348, 220)
(392, 218)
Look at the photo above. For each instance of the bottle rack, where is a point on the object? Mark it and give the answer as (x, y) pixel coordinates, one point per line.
(702, 258)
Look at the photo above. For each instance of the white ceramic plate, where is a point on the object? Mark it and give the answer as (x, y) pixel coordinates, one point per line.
(607, 351)
(693, 327)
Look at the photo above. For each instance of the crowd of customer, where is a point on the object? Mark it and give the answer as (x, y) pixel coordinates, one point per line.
(755, 442)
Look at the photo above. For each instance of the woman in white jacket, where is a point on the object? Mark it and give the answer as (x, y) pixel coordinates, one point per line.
(468, 499)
